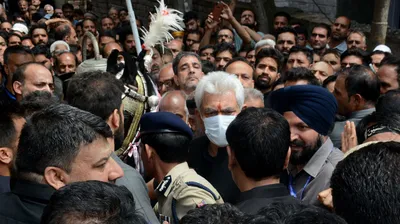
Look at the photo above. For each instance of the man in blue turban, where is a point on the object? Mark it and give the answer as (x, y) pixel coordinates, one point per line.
(310, 111)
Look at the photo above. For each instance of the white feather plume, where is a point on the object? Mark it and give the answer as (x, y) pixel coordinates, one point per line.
(162, 23)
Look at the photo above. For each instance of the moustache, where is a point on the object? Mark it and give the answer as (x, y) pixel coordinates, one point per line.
(264, 76)
(297, 143)
(191, 77)
(155, 67)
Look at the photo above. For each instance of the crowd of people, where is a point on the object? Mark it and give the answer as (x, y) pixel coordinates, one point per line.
(300, 125)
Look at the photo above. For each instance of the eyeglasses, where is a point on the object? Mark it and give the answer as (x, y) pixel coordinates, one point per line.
(167, 83)
(224, 36)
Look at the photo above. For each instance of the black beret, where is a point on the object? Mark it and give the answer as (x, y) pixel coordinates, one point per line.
(163, 122)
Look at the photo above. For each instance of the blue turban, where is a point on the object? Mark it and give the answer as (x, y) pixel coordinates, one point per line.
(314, 105)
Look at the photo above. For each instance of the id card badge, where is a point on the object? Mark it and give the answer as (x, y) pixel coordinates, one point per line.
(164, 218)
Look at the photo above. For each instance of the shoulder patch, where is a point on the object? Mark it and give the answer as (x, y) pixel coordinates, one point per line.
(165, 183)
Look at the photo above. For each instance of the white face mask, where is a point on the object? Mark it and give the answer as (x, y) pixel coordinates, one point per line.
(216, 128)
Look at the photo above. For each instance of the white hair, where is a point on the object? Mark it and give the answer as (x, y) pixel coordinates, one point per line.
(250, 93)
(48, 5)
(54, 45)
(262, 43)
(218, 83)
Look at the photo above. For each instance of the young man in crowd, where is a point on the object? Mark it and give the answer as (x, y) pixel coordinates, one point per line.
(258, 151)
(79, 150)
(268, 68)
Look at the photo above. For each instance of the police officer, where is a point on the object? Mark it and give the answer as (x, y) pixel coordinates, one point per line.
(165, 139)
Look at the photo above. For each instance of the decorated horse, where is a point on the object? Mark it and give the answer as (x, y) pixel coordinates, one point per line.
(140, 95)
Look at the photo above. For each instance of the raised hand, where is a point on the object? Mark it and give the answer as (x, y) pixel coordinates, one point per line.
(349, 136)
(211, 24)
(325, 197)
(226, 12)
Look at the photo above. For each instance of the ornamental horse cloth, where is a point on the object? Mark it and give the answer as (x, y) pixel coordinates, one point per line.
(141, 95)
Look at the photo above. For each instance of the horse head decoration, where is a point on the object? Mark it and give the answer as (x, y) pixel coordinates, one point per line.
(142, 92)
(141, 95)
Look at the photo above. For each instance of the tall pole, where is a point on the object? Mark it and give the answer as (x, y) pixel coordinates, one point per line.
(379, 23)
(132, 20)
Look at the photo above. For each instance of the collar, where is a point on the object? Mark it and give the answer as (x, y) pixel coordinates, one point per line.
(221, 155)
(266, 191)
(9, 94)
(318, 160)
(361, 113)
(342, 47)
(165, 186)
(35, 191)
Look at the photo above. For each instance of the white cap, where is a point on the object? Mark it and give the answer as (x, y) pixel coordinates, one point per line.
(264, 42)
(54, 45)
(383, 48)
(20, 28)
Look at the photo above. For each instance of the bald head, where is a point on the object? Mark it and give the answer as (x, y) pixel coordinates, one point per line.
(165, 81)
(32, 77)
(175, 46)
(322, 70)
(110, 47)
(175, 102)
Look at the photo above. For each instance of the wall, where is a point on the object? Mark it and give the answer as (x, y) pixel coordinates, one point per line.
(143, 7)
(203, 7)
(360, 10)
(327, 6)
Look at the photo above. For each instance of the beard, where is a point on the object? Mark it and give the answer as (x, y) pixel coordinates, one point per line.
(154, 76)
(190, 84)
(337, 36)
(303, 156)
(250, 25)
(119, 136)
(41, 42)
(132, 51)
(154, 72)
(263, 84)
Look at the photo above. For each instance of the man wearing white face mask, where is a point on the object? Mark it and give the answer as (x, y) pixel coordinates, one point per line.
(219, 98)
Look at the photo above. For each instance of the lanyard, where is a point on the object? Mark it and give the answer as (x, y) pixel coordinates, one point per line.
(9, 94)
(291, 188)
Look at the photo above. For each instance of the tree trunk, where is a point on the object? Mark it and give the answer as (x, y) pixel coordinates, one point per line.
(379, 23)
(262, 15)
(270, 10)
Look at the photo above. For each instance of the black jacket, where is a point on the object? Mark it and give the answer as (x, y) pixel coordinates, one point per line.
(213, 169)
(253, 200)
(25, 202)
